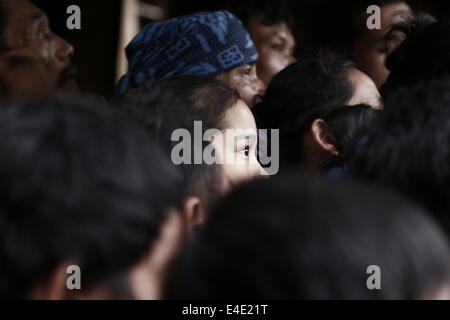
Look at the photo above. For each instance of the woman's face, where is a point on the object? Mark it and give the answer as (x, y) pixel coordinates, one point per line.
(236, 146)
(365, 90)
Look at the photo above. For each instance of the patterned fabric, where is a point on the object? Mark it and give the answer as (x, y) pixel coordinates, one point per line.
(205, 43)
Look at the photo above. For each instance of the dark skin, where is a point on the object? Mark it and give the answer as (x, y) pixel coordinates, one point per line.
(275, 45)
(36, 62)
(371, 49)
(245, 81)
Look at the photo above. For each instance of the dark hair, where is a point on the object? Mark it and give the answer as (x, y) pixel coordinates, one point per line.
(297, 237)
(348, 125)
(77, 184)
(425, 54)
(3, 17)
(340, 26)
(210, 96)
(273, 12)
(310, 86)
(163, 106)
(409, 150)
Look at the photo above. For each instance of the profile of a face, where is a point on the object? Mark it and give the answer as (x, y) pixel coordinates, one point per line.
(245, 80)
(236, 146)
(35, 62)
(372, 47)
(275, 45)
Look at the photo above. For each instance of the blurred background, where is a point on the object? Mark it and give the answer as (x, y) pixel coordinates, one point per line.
(108, 25)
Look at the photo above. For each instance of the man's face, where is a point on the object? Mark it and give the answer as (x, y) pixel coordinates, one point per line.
(371, 49)
(245, 81)
(275, 45)
(36, 61)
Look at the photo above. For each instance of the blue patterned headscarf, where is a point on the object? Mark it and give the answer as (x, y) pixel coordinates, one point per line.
(206, 43)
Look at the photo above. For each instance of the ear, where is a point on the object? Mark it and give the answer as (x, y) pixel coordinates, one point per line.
(147, 277)
(323, 137)
(193, 212)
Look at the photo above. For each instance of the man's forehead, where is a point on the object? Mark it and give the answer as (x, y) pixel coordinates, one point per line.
(395, 13)
(22, 10)
(20, 16)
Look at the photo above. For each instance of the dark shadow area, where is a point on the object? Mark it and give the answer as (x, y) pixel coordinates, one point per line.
(96, 43)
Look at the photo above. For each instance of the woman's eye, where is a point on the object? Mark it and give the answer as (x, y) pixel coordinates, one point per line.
(248, 71)
(246, 151)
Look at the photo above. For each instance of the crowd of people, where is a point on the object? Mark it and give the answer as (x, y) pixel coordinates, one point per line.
(164, 191)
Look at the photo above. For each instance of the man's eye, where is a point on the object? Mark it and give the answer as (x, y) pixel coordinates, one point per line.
(392, 41)
(278, 47)
(40, 33)
(248, 71)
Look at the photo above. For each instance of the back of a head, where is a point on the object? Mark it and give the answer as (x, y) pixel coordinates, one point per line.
(314, 84)
(312, 239)
(409, 150)
(79, 185)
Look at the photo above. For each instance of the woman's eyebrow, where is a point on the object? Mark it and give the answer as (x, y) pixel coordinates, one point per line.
(246, 136)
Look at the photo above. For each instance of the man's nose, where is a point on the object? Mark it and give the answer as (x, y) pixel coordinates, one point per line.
(291, 59)
(64, 50)
(260, 87)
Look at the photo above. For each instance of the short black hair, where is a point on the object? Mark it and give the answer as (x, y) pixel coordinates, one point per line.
(348, 126)
(162, 106)
(273, 12)
(77, 184)
(3, 17)
(425, 54)
(409, 150)
(314, 84)
(299, 237)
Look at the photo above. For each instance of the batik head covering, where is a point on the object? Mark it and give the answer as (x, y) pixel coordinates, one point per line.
(205, 43)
